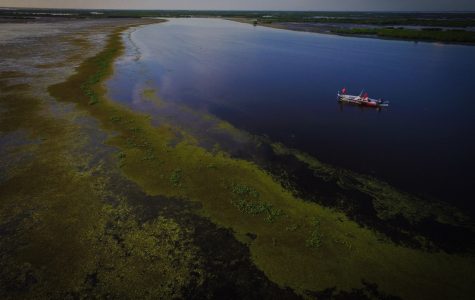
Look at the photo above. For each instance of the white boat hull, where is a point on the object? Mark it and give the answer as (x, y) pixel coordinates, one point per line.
(361, 101)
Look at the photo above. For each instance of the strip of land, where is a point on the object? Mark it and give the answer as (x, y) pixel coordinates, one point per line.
(369, 29)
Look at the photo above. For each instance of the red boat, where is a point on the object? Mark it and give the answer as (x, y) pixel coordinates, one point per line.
(362, 99)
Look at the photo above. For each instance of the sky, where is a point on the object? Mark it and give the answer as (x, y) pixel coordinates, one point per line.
(340, 5)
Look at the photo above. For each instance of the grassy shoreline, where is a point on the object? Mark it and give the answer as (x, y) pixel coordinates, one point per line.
(453, 36)
(299, 245)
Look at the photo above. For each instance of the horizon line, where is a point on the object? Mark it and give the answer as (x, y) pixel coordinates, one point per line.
(240, 10)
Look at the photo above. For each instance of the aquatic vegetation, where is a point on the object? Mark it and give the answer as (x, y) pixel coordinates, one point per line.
(273, 213)
(150, 94)
(125, 257)
(115, 119)
(235, 193)
(292, 227)
(345, 243)
(67, 230)
(121, 157)
(102, 63)
(154, 259)
(315, 238)
(388, 201)
(149, 155)
(247, 201)
(211, 166)
(242, 191)
(175, 177)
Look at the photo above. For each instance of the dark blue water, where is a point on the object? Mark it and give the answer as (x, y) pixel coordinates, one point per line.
(283, 84)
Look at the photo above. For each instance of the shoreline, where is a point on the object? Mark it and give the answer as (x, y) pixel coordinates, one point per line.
(324, 30)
